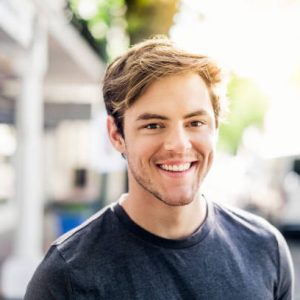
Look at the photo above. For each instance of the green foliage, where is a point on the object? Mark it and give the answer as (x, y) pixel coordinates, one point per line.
(141, 18)
(247, 107)
(94, 21)
(149, 17)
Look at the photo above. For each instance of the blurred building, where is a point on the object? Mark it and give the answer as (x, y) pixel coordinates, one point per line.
(49, 93)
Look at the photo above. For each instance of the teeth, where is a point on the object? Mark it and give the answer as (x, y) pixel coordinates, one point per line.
(176, 168)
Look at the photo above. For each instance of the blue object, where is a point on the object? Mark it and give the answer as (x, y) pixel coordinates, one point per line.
(69, 220)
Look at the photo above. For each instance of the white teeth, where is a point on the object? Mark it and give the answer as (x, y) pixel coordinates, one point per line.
(176, 168)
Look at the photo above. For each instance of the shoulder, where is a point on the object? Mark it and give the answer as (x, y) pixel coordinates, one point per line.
(95, 233)
(244, 222)
(74, 254)
(249, 229)
(51, 279)
(260, 238)
(258, 235)
(99, 217)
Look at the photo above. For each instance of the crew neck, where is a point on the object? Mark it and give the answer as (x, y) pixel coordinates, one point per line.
(149, 237)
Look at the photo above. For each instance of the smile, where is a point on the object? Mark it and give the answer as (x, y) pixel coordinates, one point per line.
(176, 167)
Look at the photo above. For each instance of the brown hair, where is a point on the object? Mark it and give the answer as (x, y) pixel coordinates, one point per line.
(128, 76)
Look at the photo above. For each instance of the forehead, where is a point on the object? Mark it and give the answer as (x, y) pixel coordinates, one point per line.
(176, 94)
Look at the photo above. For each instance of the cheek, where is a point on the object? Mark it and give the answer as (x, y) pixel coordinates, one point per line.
(140, 150)
(145, 145)
(206, 143)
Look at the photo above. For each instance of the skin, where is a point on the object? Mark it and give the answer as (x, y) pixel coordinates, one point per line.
(171, 124)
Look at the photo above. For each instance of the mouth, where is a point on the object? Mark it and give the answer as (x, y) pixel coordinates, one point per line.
(177, 167)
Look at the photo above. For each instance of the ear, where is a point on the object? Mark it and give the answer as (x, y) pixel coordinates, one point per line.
(115, 137)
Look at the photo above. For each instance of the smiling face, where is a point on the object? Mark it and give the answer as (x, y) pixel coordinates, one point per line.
(169, 140)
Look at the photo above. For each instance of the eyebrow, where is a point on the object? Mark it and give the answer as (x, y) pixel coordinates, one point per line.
(150, 116)
(200, 112)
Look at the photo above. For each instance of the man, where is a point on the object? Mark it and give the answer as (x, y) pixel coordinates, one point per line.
(164, 240)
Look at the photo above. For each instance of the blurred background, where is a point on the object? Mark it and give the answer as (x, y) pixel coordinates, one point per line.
(57, 166)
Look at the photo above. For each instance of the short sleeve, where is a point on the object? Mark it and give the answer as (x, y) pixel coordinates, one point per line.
(51, 279)
(285, 288)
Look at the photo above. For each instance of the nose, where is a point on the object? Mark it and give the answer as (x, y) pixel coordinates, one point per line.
(177, 140)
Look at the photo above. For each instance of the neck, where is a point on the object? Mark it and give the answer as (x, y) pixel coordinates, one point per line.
(171, 222)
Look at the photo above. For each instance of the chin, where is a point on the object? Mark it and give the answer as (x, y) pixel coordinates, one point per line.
(177, 201)
(177, 204)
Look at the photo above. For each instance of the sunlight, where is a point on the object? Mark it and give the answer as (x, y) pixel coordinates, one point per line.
(255, 39)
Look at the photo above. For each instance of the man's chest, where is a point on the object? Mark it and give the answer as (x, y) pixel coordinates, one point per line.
(161, 276)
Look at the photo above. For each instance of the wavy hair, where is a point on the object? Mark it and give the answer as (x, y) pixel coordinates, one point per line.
(129, 75)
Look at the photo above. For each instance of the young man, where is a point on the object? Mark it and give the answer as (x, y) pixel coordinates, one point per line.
(164, 240)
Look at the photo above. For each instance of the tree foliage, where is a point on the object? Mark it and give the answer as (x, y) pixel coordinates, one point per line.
(140, 19)
(149, 17)
(93, 19)
(247, 107)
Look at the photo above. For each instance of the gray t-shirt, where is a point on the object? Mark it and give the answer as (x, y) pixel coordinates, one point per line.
(233, 256)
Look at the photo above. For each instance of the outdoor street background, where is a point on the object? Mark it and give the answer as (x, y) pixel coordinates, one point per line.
(57, 166)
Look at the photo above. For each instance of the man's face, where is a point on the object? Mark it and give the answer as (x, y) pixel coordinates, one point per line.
(169, 140)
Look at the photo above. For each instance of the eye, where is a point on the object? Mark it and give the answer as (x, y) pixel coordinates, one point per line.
(196, 123)
(153, 126)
